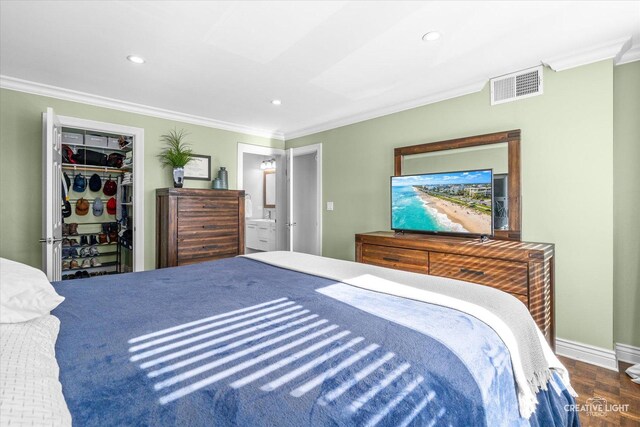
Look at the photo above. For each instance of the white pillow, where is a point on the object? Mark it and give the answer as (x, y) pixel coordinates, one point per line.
(25, 293)
(30, 392)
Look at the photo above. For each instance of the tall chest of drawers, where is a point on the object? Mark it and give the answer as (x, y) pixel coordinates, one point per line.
(525, 270)
(196, 225)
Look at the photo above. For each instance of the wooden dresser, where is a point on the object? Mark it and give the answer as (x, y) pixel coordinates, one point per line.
(522, 269)
(195, 225)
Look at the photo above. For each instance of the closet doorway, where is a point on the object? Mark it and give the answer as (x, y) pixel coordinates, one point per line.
(86, 227)
(304, 184)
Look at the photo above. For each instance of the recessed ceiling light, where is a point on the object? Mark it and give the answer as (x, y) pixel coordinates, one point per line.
(136, 59)
(276, 102)
(431, 36)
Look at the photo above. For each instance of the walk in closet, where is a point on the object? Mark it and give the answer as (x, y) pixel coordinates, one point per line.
(92, 220)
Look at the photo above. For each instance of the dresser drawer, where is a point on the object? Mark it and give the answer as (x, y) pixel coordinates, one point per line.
(507, 276)
(398, 258)
(207, 207)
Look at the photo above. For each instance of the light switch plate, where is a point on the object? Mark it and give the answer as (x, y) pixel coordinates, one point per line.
(329, 206)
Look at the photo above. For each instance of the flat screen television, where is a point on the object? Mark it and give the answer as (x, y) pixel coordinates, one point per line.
(457, 203)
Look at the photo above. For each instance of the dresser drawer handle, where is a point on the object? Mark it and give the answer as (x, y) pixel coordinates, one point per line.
(208, 227)
(264, 241)
(210, 247)
(468, 271)
(386, 258)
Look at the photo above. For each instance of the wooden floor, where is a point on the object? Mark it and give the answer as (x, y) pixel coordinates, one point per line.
(616, 388)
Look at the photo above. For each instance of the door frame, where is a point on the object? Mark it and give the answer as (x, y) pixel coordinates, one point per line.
(300, 151)
(138, 176)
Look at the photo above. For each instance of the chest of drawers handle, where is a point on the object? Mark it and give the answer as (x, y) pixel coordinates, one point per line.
(386, 258)
(469, 271)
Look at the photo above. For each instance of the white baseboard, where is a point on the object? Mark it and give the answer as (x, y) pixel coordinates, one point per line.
(628, 353)
(587, 353)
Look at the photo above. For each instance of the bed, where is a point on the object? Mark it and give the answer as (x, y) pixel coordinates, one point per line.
(283, 339)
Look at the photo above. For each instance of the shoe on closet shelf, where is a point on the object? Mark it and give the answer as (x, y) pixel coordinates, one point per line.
(84, 252)
(73, 228)
(65, 228)
(66, 265)
(73, 242)
(85, 274)
(93, 239)
(86, 263)
(93, 251)
(78, 275)
(95, 262)
(66, 242)
(74, 264)
(73, 252)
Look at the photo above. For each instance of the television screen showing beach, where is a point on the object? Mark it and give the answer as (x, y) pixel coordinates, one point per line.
(455, 202)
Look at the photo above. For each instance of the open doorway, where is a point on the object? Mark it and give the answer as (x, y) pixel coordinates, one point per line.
(261, 172)
(304, 183)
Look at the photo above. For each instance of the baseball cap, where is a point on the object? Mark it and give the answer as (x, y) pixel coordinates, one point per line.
(98, 207)
(82, 206)
(79, 183)
(95, 183)
(110, 187)
(111, 206)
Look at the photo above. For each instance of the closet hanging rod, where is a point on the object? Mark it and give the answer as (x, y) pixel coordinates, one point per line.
(105, 169)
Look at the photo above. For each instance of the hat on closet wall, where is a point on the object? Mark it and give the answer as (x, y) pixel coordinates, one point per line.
(98, 207)
(95, 182)
(111, 206)
(79, 183)
(110, 187)
(82, 206)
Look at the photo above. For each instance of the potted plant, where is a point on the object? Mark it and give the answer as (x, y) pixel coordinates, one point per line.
(176, 154)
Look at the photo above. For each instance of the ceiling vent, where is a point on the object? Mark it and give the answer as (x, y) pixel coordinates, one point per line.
(514, 86)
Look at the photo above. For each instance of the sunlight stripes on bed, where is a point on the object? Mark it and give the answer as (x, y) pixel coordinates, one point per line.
(386, 409)
(224, 338)
(207, 367)
(228, 372)
(313, 383)
(219, 350)
(355, 379)
(361, 400)
(209, 334)
(200, 321)
(206, 327)
(419, 407)
(309, 365)
(283, 344)
(290, 359)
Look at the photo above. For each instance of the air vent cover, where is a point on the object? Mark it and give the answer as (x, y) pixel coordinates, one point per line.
(511, 87)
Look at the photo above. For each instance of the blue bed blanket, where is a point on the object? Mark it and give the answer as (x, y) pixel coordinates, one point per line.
(237, 342)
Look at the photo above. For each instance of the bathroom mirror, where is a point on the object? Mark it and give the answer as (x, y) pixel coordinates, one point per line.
(269, 189)
(499, 152)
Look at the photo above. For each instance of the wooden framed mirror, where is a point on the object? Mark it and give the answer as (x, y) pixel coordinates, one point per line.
(269, 189)
(500, 151)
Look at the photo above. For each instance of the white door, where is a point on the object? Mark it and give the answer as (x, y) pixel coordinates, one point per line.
(52, 196)
(290, 224)
(304, 199)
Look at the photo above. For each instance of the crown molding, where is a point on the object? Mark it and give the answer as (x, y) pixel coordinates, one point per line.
(357, 118)
(608, 50)
(12, 83)
(631, 55)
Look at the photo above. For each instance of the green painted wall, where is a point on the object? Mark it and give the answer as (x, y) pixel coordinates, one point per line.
(626, 203)
(21, 164)
(567, 181)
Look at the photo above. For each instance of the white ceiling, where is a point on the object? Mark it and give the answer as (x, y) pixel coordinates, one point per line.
(330, 63)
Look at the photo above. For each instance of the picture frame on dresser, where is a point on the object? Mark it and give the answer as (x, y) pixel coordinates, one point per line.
(199, 168)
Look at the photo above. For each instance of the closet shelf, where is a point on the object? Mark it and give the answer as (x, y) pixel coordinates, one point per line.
(92, 256)
(99, 147)
(104, 264)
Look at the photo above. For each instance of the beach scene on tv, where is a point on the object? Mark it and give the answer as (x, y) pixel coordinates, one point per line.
(455, 202)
